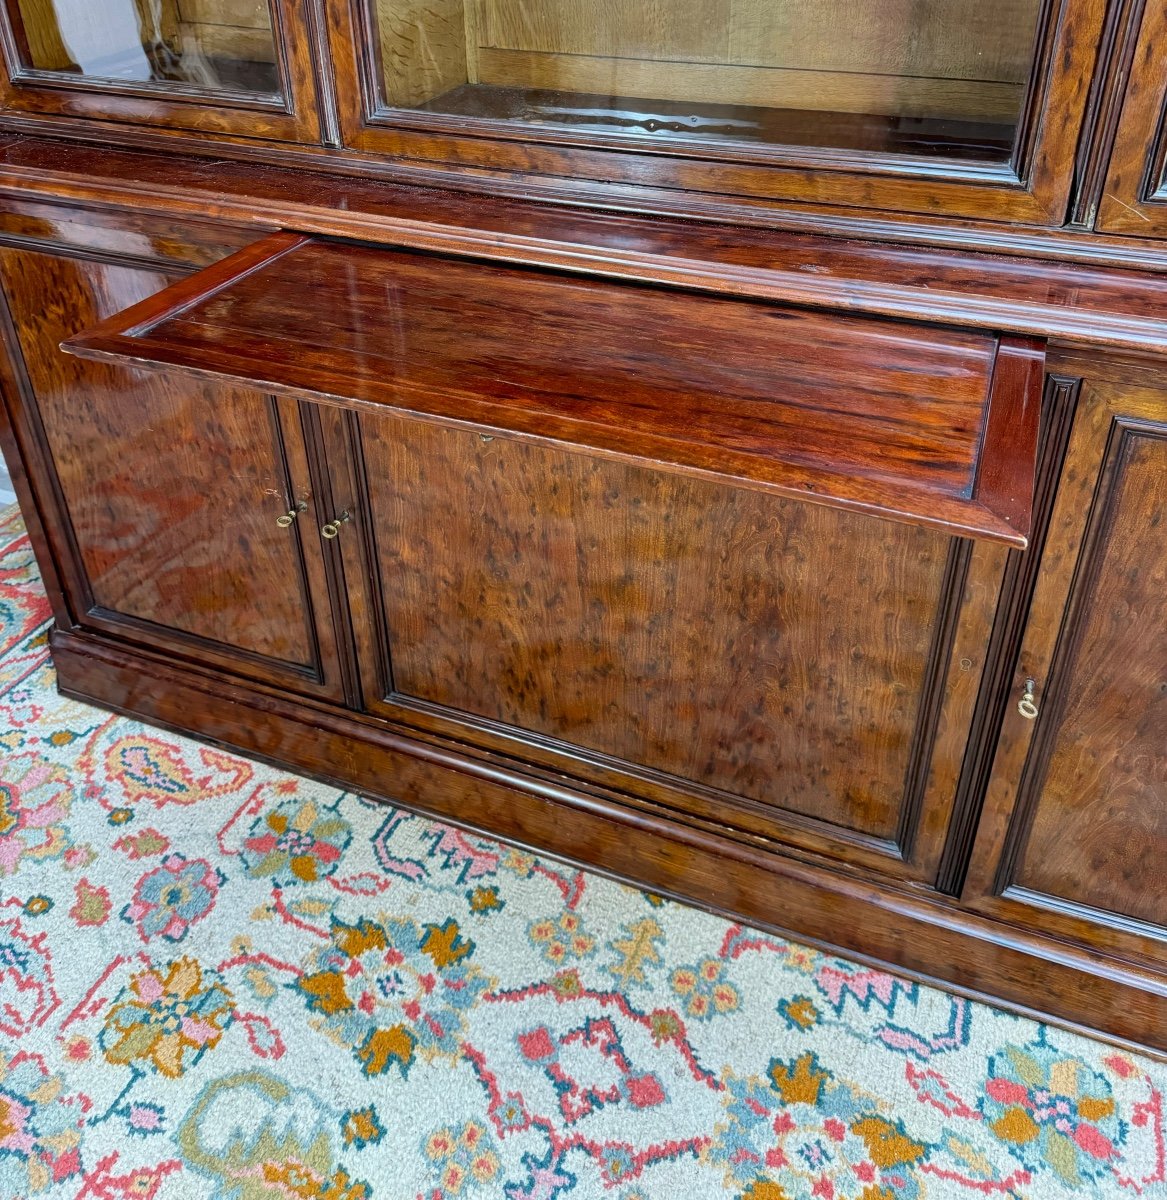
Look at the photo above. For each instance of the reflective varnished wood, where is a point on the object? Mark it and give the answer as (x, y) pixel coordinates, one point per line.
(687, 636)
(1075, 832)
(171, 487)
(935, 426)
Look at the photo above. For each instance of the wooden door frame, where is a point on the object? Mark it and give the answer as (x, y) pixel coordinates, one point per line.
(1134, 198)
(290, 117)
(1033, 188)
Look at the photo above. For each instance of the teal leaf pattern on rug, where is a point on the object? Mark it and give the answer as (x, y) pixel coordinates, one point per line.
(219, 981)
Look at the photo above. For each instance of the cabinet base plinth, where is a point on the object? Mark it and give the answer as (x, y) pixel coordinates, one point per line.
(911, 933)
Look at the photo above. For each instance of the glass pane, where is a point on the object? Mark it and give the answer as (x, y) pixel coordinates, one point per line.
(938, 77)
(218, 45)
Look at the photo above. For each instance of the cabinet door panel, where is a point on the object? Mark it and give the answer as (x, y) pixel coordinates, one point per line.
(1075, 834)
(231, 66)
(1134, 199)
(775, 663)
(172, 487)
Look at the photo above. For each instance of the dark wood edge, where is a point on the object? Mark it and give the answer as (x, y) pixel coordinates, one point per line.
(332, 216)
(1021, 572)
(895, 501)
(927, 939)
(331, 165)
(933, 693)
(1008, 457)
(167, 304)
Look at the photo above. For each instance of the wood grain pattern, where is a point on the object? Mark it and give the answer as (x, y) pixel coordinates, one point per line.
(564, 595)
(172, 488)
(1134, 199)
(1080, 303)
(423, 49)
(903, 438)
(128, 236)
(1098, 835)
(1071, 837)
(966, 61)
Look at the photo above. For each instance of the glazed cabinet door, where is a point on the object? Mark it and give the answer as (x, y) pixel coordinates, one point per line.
(1073, 839)
(180, 512)
(1134, 200)
(964, 107)
(220, 66)
(788, 673)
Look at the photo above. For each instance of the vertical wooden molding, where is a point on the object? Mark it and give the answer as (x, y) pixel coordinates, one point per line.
(318, 466)
(1058, 409)
(932, 692)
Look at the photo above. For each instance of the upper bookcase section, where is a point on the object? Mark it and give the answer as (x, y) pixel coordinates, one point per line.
(935, 80)
(222, 66)
(970, 107)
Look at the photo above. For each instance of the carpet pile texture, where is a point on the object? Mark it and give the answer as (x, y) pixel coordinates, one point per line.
(220, 980)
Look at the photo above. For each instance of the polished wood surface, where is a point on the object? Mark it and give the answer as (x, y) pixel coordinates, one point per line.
(1098, 836)
(669, 624)
(1134, 199)
(1080, 303)
(934, 426)
(138, 237)
(172, 488)
(1075, 832)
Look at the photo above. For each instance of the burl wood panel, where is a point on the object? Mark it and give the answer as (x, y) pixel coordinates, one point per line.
(937, 426)
(1098, 835)
(172, 486)
(767, 648)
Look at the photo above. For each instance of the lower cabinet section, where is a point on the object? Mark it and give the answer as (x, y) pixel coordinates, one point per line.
(1074, 838)
(167, 489)
(782, 669)
(794, 706)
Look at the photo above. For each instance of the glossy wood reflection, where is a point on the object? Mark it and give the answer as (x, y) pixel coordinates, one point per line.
(693, 629)
(172, 487)
(1075, 829)
(1099, 829)
(935, 426)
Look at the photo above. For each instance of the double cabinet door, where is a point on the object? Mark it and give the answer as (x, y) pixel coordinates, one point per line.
(178, 511)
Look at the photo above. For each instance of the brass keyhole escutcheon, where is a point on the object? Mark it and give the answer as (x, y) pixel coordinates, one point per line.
(1027, 705)
(332, 529)
(285, 519)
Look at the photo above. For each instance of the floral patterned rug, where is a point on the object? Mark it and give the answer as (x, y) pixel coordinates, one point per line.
(218, 980)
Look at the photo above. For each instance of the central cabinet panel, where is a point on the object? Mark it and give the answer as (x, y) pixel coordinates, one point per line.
(773, 666)
(707, 632)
